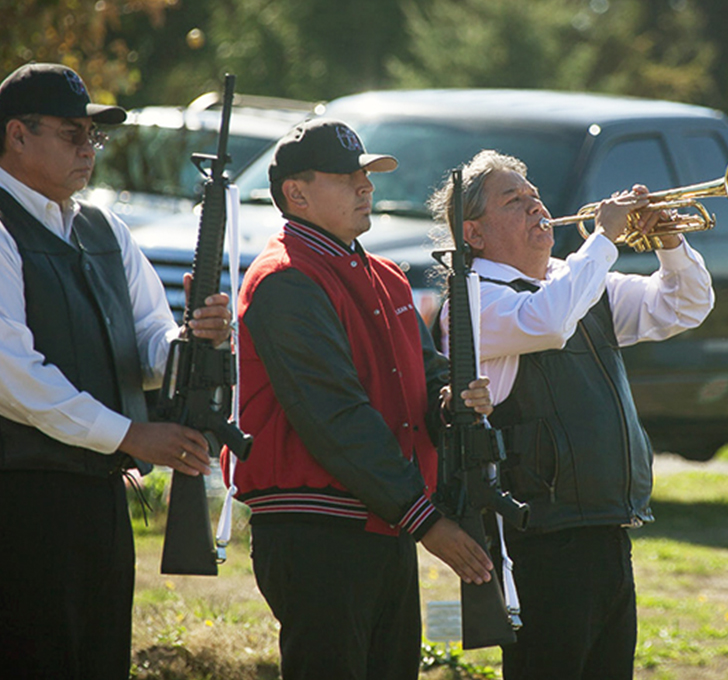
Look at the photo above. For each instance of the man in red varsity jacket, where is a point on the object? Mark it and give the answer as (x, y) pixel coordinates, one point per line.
(342, 390)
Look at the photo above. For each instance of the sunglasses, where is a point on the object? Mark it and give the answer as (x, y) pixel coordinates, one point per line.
(78, 135)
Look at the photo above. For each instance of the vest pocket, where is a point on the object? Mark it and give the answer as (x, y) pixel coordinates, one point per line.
(535, 450)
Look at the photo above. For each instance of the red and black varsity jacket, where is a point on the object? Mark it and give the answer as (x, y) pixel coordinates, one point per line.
(338, 388)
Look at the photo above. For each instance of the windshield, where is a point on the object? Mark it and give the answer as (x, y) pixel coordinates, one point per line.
(428, 151)
(156, 160)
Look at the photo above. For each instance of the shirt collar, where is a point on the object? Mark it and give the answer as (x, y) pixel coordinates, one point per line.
(55, 218)
(507, 273)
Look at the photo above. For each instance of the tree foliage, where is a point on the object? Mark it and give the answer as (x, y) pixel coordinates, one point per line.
(652, 48)
(77, 33)
(169, 51)
(312, 49)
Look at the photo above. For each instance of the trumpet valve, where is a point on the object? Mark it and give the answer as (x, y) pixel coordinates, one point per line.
(641, 243)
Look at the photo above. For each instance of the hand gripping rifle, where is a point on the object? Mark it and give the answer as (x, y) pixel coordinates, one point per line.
(196, 391)
(470, 453)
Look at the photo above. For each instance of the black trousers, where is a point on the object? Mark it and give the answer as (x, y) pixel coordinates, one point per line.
(578, 606)
(66, 577)
(347, 600)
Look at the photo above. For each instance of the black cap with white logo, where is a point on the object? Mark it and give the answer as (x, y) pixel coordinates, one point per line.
(324, 145)
(52, 90)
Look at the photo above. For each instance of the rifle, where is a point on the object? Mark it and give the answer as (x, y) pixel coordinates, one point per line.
(471, 452)
(196, 390)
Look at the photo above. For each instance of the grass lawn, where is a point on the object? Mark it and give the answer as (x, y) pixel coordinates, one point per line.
(200, 628)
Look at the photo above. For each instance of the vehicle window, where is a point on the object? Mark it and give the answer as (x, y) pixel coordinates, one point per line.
(708, 157)
(156, 160)
(634, 161)
(428, 151)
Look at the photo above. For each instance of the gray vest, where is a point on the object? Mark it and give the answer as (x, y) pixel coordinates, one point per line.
(577, 450)
(79, 311)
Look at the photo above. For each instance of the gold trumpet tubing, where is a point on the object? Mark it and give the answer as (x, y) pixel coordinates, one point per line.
(586, 212)
(714, 188)
(676, 223)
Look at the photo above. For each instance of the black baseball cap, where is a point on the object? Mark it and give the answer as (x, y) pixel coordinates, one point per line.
(327, 146)
(52, 90)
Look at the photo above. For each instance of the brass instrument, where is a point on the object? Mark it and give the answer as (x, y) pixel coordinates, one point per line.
(672, 200)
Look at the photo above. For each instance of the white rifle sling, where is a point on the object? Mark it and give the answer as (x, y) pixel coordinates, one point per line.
(232, 198)
(510, 591)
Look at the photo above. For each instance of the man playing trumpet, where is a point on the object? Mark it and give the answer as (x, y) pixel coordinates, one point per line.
(550, 338)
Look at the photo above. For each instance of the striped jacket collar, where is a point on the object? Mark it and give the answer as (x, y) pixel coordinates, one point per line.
(319, 239)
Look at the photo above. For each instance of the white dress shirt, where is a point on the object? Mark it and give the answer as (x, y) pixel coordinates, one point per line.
(676, 297)
(40, 395)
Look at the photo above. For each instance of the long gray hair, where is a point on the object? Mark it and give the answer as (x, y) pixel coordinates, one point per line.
(474, 175)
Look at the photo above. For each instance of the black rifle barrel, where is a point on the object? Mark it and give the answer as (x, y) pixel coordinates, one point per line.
(207, 264)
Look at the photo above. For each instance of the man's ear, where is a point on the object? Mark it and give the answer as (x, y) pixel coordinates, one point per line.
(14, 134)
(294, 196)
(473, 234)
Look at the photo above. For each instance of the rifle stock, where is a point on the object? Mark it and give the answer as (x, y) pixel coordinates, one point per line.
(484, 619)
(468, 450)
(197, 384)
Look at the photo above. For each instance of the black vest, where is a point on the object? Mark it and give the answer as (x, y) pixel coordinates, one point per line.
(78, 308)
(577, 450)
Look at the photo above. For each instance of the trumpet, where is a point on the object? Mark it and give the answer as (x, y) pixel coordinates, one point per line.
(671, 200)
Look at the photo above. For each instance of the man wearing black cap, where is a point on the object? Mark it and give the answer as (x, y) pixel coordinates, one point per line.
(341, 388)
(84, 327)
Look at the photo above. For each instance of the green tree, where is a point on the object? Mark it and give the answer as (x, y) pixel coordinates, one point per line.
(174, 56)
(312, 49)
(76, 33)
(716, 13)
(169, 51)
(652, 48)
(315, 49)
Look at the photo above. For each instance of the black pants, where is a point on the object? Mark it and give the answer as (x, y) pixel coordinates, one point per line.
(578, 606)
(347, 601)
(66, 577)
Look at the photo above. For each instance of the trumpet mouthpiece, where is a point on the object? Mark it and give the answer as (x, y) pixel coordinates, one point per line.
(544, 224)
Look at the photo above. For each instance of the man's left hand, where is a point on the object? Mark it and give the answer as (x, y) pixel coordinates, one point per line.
(213, 320)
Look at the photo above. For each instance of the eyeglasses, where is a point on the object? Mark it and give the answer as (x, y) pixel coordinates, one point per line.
(78, 136)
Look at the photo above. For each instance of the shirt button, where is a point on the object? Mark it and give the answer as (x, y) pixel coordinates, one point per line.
(353, 263)
(394, 370)
(376, 312)
(405, 425)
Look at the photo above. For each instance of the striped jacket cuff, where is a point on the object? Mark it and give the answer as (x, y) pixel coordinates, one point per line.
(420, 517)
